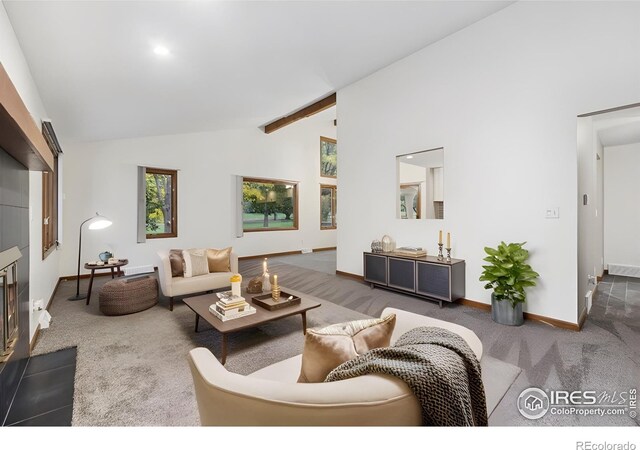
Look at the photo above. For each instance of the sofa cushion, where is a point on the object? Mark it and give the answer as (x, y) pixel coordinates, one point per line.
(219, 260)
(177, 263)
(195, 262)
(327, 348)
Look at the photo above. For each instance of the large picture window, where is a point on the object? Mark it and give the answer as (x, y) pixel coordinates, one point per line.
(161, 200)
(269, 205)
(328, 203)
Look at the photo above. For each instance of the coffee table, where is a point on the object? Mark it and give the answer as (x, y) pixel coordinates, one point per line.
(200, 306)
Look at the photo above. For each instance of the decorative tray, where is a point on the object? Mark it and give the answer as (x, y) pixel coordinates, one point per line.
(267, 302)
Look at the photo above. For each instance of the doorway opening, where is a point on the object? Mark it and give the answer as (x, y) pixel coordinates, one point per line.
(608, 218)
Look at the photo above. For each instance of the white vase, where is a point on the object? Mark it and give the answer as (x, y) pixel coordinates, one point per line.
(266, 282)
(388, 244)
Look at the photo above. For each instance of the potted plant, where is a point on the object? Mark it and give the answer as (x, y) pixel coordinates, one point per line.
(508, 275)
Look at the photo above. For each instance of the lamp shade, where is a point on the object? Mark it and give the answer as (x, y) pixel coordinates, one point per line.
(99, 222)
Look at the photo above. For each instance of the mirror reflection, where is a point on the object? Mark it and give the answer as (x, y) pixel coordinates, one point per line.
(420, 185)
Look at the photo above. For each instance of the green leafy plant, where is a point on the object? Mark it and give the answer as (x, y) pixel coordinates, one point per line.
(507, 273)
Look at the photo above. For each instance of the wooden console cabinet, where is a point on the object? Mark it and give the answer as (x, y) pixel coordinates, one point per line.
(425, 276)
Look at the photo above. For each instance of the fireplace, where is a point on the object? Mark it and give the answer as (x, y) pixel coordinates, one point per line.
(8, 302)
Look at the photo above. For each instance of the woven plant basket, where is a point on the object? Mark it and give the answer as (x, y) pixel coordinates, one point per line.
(128, 295)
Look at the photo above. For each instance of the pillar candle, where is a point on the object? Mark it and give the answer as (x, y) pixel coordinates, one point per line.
(264, 266)
(275, 280)
(440, 237)
(448, 240)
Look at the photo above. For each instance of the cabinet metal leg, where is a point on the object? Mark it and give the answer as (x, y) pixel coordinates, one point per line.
(440, 303)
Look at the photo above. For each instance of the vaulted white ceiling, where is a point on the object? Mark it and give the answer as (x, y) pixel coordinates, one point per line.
(231, 64)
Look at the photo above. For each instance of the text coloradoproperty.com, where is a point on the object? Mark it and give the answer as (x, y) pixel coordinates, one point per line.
(588, 411)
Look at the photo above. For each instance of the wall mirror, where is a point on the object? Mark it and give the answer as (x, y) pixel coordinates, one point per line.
(420, 185)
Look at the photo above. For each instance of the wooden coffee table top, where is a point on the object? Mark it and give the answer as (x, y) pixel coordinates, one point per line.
(200, 305)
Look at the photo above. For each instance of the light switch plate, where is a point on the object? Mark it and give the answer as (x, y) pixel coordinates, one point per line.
(552, 213)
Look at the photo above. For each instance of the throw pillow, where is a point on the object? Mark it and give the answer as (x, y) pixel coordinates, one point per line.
(195, 262)
(219, 260)
(177, 263)
(327, 348)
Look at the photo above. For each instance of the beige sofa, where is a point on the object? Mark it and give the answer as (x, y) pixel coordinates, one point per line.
(181, 286)
(271, 395)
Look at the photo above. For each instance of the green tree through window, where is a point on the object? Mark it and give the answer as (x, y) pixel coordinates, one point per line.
(161, 203)
(269, 205)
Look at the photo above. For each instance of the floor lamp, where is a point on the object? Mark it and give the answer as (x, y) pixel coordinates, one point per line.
(98, 222)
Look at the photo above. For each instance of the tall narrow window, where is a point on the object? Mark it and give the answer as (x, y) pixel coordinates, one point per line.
(161, 200)
(328, 157)
(328, 203)
(269, 205)
(50, 194)
(50, 209)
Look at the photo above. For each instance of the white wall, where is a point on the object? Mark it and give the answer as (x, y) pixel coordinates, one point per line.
(43, 275)
(102, 176)
(501, 97)
(622, 218)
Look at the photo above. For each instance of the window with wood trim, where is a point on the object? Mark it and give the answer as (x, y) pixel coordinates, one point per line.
(161, 202)
(269, 205)
(328, 204)
(50, 209)
(50, 205)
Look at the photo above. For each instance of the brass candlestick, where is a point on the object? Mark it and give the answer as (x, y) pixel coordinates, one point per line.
(440, 256)
(448, 254)
(275, 292)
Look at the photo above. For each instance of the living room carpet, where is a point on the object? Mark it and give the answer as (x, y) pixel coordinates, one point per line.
(132, 370)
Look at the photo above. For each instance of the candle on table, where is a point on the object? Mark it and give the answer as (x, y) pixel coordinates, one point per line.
(440, 237)
(264, 266)
(275, 280)
(448, 240)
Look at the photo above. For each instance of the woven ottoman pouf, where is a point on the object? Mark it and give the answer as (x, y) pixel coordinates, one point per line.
(128, 295)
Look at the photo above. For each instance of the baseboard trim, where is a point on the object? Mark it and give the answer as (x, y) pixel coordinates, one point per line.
(353, 276)
(34, 340)
(293, 252)
(84, 276)
(530, 316)
(583, 319)
(474, 304)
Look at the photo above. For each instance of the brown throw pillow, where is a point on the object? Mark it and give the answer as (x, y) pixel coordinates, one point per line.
(177, 263)
(327, 348)
(219, 260)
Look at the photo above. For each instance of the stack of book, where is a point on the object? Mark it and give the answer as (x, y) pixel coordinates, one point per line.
(230, 307)
(411, 251)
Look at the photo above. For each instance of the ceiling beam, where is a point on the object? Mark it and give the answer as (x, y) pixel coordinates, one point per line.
(307, 111)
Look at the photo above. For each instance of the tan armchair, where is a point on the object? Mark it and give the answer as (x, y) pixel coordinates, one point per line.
(271, 395)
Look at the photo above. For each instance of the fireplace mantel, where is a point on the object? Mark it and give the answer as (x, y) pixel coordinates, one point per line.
(20, 136)
(9, 257)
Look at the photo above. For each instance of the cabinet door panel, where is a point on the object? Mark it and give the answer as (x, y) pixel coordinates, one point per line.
(402, 274)
(375, 269)
(433, 280)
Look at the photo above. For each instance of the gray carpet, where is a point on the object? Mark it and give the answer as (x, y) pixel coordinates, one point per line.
(132, 370)
(604, 356)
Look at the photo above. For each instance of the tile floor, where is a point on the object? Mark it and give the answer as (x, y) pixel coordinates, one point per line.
(45, 393)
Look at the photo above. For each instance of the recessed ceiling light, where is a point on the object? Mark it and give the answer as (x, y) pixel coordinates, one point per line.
(161, 50)
(409, 156)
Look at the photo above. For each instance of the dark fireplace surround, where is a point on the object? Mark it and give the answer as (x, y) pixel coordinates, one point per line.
(9, 311)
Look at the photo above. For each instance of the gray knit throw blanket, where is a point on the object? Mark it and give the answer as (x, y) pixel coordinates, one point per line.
(438, 366)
